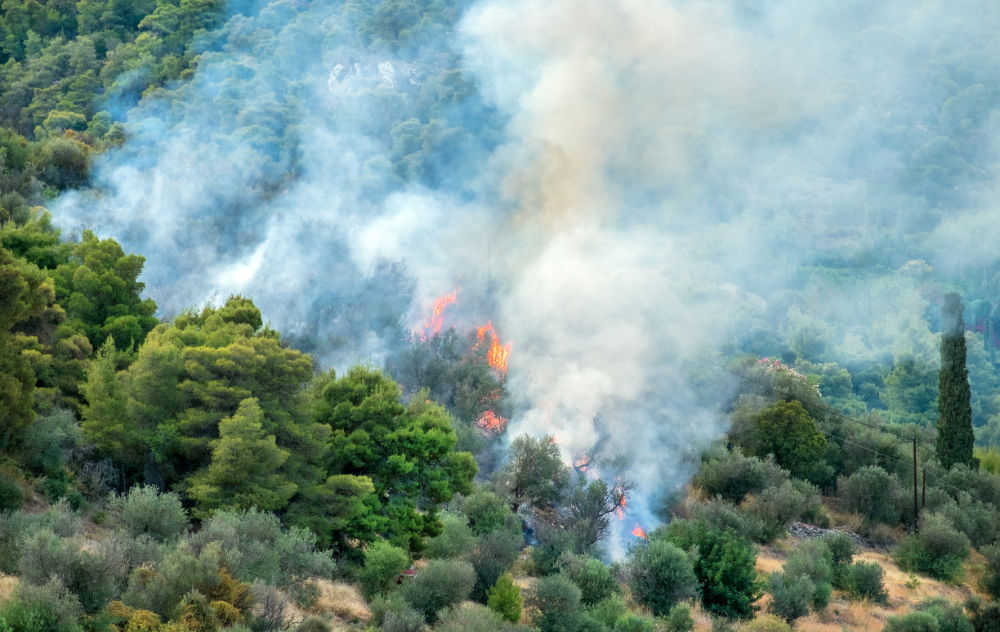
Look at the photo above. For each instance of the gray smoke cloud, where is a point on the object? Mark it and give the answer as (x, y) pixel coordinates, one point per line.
(643, 182)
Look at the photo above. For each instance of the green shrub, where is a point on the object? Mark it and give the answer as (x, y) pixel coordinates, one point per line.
(777, 507)
(787, 431)
(984, 617)
(455, 541)
(313, 624)
(11, 495)
(47, 440)
(950, 616)
(16, 527)
(469, 617)
(383, 564)
(912, 622)
(505, 598)
(726, 515)
(937, 550)
(811, 560)
(440, 584)
(488, 512)
(732, 476)
(557, 604)
(635, 623)
(608, 611)
(865, 580)
(659, 575)
(766, 623)
(871, 492)
(144, 510)
(491, 556)
(841, 548)
(679, 619)
(978, 521)
(546, 553)
(87, 576)
(178, 574)
(790, 595)
(726, 567)
(990, 582)
(594, 578)
(47, 608)
(403, 621)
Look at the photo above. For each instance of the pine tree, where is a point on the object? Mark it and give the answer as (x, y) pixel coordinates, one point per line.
(955, 436)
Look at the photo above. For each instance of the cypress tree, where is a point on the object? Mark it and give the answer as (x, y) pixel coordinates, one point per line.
(954, 426)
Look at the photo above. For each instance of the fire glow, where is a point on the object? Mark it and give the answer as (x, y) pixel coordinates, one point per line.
(489, 421)
(620, 510)
(433, 326)
(497, 354)
(639, 533)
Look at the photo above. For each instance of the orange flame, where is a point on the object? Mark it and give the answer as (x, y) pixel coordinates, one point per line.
(489, 421)
(620, 509)
(497, 354)
(437, 313)
(581, 463)
(639, 533)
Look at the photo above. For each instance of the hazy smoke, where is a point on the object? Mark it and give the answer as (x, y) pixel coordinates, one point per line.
(642, 180)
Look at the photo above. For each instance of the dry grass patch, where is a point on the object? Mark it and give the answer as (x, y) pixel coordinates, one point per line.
(901, 595)
(8, 583)
(343, 601)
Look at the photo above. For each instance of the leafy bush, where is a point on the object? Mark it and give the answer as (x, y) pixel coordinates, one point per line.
(489, 512)
(726, 567)
(594, 578)
(383, 564)
(937, 550)
(732, 476)
(679, 619)
(990, 582)
(608, 611)
(950, 616)
(144, 510)
(556, 601)
(726, 515)
(505, 598)
(492, 555)
(810, 561)
(442, 583)
(865, 580)
(635, 623)
(47, 441)
(912, 622)
(841, 548)
(983, 617)
(871, 492)
(313, 624)
(48, 608)
(777, 507)
(16, 527)
(89, 577)
(179, 573)
(790, 595)
(659, 575)
(980, 522)
(469, 617)
(787, 431)
(11, 495)
(551, 543)
(403, 621)
(455, 541)
(766, 623)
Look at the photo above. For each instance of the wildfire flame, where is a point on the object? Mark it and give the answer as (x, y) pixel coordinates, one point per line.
(489, 421)
(581, 462)
(433, 326)
(620, 509)
(639, 533)
(497, 354)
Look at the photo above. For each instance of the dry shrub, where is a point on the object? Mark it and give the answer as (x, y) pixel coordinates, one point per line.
(342, 600)
(7, 585)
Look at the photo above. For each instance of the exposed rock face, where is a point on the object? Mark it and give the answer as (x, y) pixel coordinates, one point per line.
(801, 530)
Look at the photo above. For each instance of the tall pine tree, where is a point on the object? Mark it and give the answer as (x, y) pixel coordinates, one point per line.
(954, 426)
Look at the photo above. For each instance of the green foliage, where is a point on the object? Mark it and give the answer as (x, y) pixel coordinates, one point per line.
(786, 430)
(983, 617)
(871, 492)
(456, 540)
(88, 577)
(773, 509)
(491, 556)
(912, 622)
(725, 568)
(47, 441)
(183, 570)
(865, 580)
(937, 550)
(11, 494)
(594, 578)
(49, 607)
(441, 584)
(547, 552)
(144, 510)
(911, 391)
(790, 596)
(556, 602)
(505, 598)
(955, 436)
(408, 450)
(810, 563)
(471, 617)
(383, 564)
(990, 581)
(17, 527)
(488, 512)
(660, 575)
(608, 611)
(979, 521)
(950, 616)
(767, 623)
(733, 475)
(244, 468)
(534, 472)
(635, 623)
(341, 512)
(679, 619)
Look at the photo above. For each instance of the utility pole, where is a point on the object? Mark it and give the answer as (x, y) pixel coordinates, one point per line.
(923, 492)
(915, 508)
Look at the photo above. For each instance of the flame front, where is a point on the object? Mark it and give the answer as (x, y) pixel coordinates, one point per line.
(489, 421)
(433, 326)
(639, 533)
(497, 355)
(620, 509)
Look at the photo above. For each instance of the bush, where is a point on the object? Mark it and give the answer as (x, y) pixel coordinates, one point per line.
(865, 580)
(983, 617)
(937, 550)
(841, 548)
(978, 521)
(383, 564)
(608, 611)
(557, 604)
(16, 527)
(492, 555)
(732, 476)
(659, 575)
(635, 623)
(777, 507)
(160, 590)
(89, 577)
(48, 608)
(594, 579)
(403, 621)
(11, 495)
(767, 623)
(488, 512)
(47, 440)
(811, 561)
(871, 492)
(469, 617)
(912, 622)
(726, 515)
(455, 541)
(787, 431)
(505, 599)
(990, 582)
(442, 583)
(790, 595)
(313, 624)
(546, 553)
(950, 616)
(144, 510)
(679, 619)
(726, 567)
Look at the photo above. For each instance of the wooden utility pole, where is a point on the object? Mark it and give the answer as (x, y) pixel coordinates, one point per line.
(923, 491)
(915, 508)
